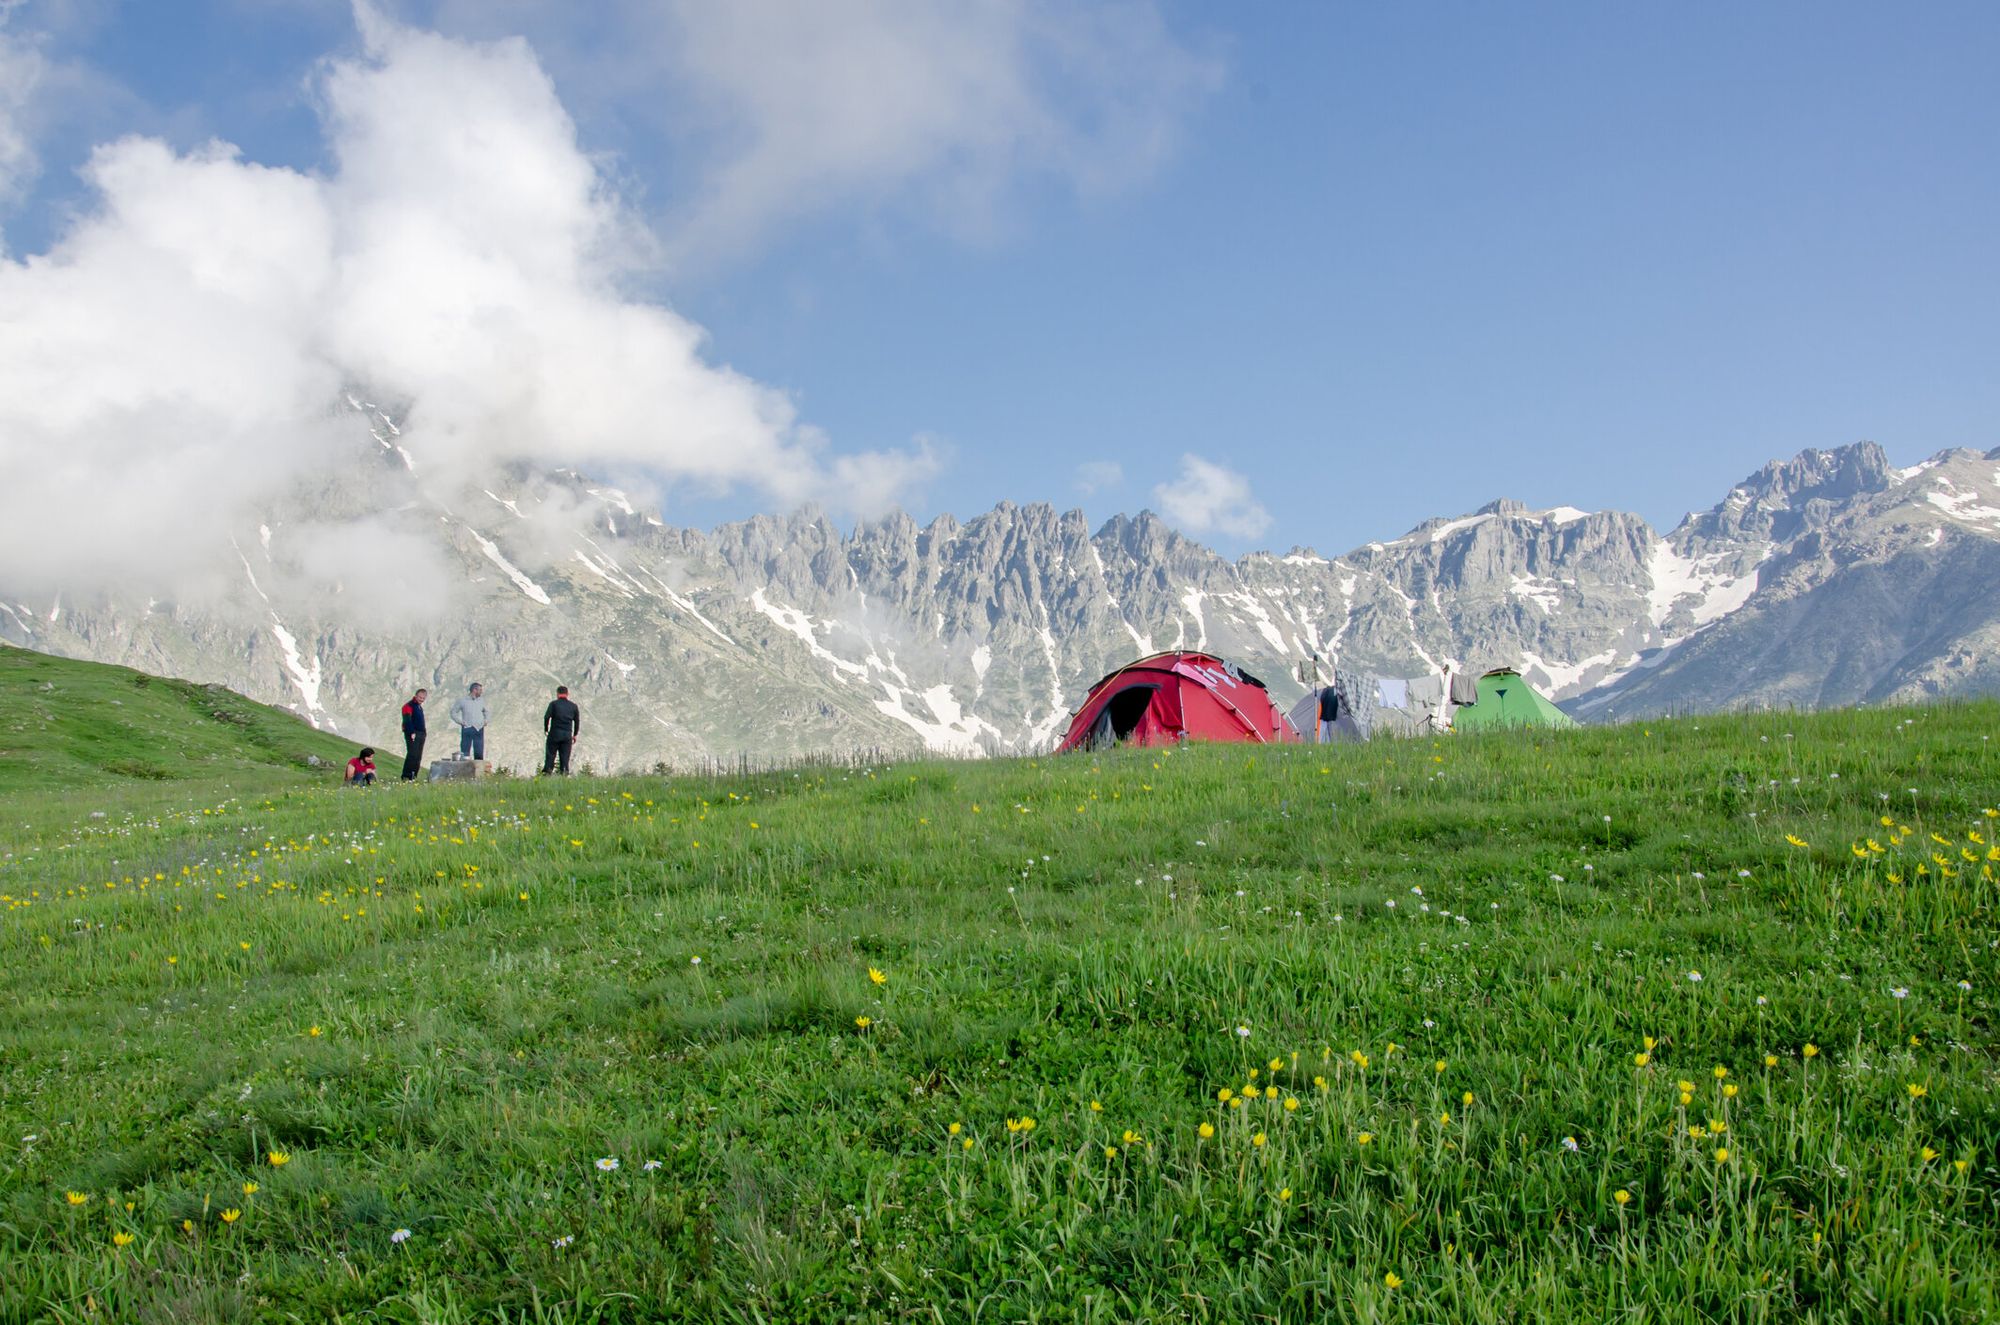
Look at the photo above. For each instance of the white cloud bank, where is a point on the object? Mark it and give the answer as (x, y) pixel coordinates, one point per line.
(1207, 498)
(175, 358)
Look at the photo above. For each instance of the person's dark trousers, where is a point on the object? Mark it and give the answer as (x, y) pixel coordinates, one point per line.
(556, 756)
(413, 756)
(472, 742)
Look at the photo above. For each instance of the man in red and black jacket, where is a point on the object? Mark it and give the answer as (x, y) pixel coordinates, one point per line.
(413, 735)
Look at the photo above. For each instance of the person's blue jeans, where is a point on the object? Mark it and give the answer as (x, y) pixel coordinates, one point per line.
(472, 742)
(1325, 730)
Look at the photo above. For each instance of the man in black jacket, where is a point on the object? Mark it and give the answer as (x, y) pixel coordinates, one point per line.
(562, 722)
(413, 735)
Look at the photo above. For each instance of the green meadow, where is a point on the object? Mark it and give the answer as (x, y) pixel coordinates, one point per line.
(1672, 1022)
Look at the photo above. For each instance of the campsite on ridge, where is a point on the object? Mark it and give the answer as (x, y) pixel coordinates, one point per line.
(1705, 1002)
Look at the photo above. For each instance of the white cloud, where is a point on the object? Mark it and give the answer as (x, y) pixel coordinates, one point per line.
(1093, 476)
(1207, 498)
(948, 103)
(173, 361)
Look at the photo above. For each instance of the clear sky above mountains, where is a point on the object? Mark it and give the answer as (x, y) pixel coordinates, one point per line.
(1298, 273)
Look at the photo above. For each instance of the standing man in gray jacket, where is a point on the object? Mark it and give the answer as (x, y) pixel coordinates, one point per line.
(469, 712)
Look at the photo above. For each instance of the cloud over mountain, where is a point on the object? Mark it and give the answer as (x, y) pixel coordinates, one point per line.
(177, 356)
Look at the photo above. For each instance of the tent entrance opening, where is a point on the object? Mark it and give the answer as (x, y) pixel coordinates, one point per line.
(1123, 713)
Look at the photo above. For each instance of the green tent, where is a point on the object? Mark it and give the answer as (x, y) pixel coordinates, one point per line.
(1507, 700)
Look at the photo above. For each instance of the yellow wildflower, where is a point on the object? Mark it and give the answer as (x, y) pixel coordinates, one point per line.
(1622, 1196)
(1722, 1154)
(121, 1239)
(1205, 1131)
(1291, 1105)
(1364, 1138)
(864, 1022)
(1258, 1139)
(1810, 1051)
(230, 1216)
(1917, 1090)
(877, 977)
(1391, 1280)
(77, 1198)
(1641, 1060)
(250, 1189)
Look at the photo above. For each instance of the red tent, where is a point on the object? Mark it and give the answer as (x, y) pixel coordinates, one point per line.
(1173, 697)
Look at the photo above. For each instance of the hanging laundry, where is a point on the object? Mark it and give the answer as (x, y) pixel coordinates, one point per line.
(1427, 692)
(1464, 688)
(1393, 693)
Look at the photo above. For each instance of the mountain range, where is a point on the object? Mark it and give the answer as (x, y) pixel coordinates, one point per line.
(1830, 578)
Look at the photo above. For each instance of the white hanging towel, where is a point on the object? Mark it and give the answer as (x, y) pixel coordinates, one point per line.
(1393, 693)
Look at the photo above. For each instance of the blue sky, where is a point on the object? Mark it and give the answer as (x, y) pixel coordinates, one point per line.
(1383, 262)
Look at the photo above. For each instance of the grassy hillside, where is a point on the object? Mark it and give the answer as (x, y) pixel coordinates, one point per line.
(1683, 1022)
(65, 723)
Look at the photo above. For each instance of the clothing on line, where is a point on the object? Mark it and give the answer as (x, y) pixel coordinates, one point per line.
(1393, 693)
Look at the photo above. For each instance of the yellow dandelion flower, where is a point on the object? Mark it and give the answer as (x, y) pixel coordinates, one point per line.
(1929, 1154)
(1364, 1138)
(1319, 1083)
(1622, 1196)
(1392, 1280)
(121, 1239)
(1770, 1060)
(1224, 1094)
(1131, 1138)
(1205, 1131)
(1277, 1064)
(187, 1226)
(864, 1022)
(1686, 1098)
(1958, 1164)
(1720, 1072)
(77, 1198)
(877, 977)
(1917, 1090)
(1722, 1154)
(1358, 1058)
(231, 1215)
(1291, 1105)
(1438, 1066)
(1640, 1060)
(1729, 1091)
(1258, 1139)
(1111, 1152)
(1810, 1051)
(1444, 1119)
(1795, 841)
(314, 1032)
(1096, 1107)
(250, 1189)
(1466, 1099)
(954, 1129)
(1284, 1193)
(1648, 1043)
(1686, 1087)
(1717, 1125)
(279, 1158)
(966, 1143)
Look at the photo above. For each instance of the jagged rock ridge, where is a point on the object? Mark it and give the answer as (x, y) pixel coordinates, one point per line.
(1829, 578)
